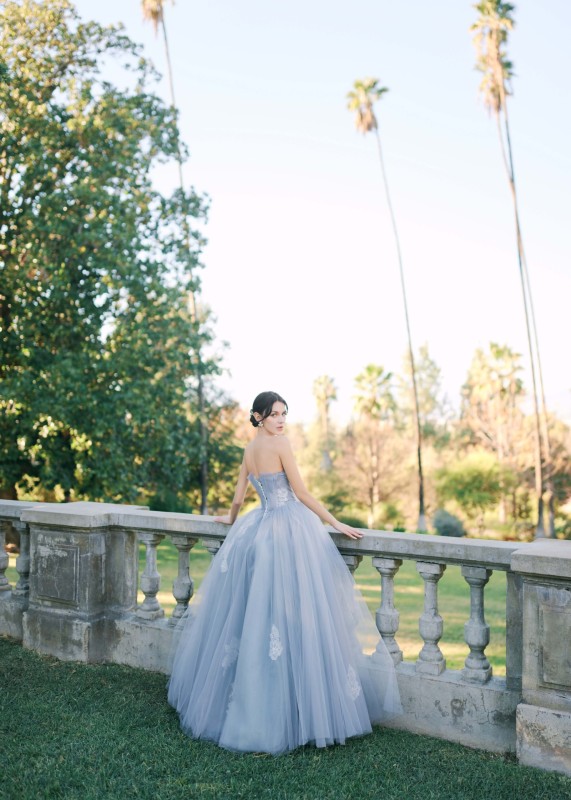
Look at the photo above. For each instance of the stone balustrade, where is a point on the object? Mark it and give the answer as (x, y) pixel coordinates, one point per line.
(76, 599)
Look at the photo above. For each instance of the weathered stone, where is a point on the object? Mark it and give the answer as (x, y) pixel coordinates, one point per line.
(477, 668)
(514, 630)
(544, 738)
(448, 707)
(430, 659)
(387, 616)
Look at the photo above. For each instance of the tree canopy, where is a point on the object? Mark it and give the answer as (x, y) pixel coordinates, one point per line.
(97, 375)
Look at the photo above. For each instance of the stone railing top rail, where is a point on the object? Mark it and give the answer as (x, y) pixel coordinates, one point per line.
(387, 544)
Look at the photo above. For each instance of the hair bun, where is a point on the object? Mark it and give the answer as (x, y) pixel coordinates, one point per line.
(254, 421)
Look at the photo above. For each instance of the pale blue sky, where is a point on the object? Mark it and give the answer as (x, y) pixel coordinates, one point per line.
(301, 268)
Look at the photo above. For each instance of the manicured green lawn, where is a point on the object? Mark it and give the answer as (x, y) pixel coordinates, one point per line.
(87, 732)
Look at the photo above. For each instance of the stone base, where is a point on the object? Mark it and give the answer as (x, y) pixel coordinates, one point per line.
(137, 643)
(11, 613)
(65, 637)
(544, 738)
(447, 707)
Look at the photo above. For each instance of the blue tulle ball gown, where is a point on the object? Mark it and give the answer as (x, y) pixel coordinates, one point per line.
(270, 654)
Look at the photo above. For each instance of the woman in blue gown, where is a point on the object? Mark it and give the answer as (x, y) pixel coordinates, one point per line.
(270, 654)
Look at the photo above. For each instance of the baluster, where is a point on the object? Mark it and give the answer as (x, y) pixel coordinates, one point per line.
(430, 659)
(183, 585)
(387, 617)
(212, 545)
(150, 579)
(352, 562)
(22, 589)
(4, 561)
(477, 668)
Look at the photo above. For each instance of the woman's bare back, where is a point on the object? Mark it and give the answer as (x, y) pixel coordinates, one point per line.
(261, 456)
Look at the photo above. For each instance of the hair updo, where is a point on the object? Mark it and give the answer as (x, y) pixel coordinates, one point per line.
(263, 405)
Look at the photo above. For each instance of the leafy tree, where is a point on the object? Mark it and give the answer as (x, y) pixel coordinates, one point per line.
(473, 483)
(96, 381)
(435, 411)
(361, 98)
(370, 443)
(325, 393)
(491, 31)
(153, 10)
(491, 416)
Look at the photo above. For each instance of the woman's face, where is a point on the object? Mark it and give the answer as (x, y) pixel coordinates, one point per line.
(275, 423)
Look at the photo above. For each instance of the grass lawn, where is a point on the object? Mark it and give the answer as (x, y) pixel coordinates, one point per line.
(90, 732)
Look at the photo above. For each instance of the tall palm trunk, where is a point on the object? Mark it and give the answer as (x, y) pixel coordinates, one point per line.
(526, 295)
(203, 449)
(421, 525)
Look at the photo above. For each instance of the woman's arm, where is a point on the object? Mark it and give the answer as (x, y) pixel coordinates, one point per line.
(239, 495)
(296, 482)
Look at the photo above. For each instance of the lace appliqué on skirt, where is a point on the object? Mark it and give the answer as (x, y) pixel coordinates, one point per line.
(276, 646)
(231, 651)
(353, 683)
(230, 697)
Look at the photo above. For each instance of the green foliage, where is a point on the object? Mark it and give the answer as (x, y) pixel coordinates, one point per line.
(490, 38)
(447, 524)
(563, 526)
(364, 93)
(351, 519)
(374, 397)
(98, 347)
(473, 482)
(434, 409)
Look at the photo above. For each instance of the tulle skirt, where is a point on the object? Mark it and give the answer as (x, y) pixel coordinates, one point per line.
(270, 654)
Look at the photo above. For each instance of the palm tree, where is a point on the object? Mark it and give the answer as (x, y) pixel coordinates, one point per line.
(364, 93)
(153, 11)
(490, 38)
(325, 392)
(375, 405)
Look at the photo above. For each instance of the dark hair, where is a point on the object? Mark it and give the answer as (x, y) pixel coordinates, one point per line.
(263, 405)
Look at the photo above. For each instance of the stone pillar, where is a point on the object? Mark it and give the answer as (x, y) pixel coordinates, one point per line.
(431, 661)
(82, 573)
(387, 616)
(183, 586)
(4, 584)
(514, 630)
(543, 719)
(14, 599)
(150, 579)
(477, 631)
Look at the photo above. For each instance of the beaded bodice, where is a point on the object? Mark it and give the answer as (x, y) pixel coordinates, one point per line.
(273, 488)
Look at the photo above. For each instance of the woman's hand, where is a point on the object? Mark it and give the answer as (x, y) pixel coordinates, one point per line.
(225, 519)
(347, 530)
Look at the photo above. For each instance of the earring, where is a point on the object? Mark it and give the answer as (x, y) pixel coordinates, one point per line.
(261, 423)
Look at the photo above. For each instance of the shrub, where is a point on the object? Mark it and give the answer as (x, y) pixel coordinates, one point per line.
(447, 524)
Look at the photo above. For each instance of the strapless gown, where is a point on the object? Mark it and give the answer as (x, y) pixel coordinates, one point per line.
(270, 654)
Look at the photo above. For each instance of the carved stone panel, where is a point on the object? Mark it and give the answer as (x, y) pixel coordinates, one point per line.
(58, 573)
(555, 637)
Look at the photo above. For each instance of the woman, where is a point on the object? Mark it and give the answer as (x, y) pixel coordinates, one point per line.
(269, 658)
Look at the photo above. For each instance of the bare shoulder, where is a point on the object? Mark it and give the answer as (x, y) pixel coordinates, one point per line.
(282, 444)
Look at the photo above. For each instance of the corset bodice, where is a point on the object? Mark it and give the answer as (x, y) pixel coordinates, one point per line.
(273, 488)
